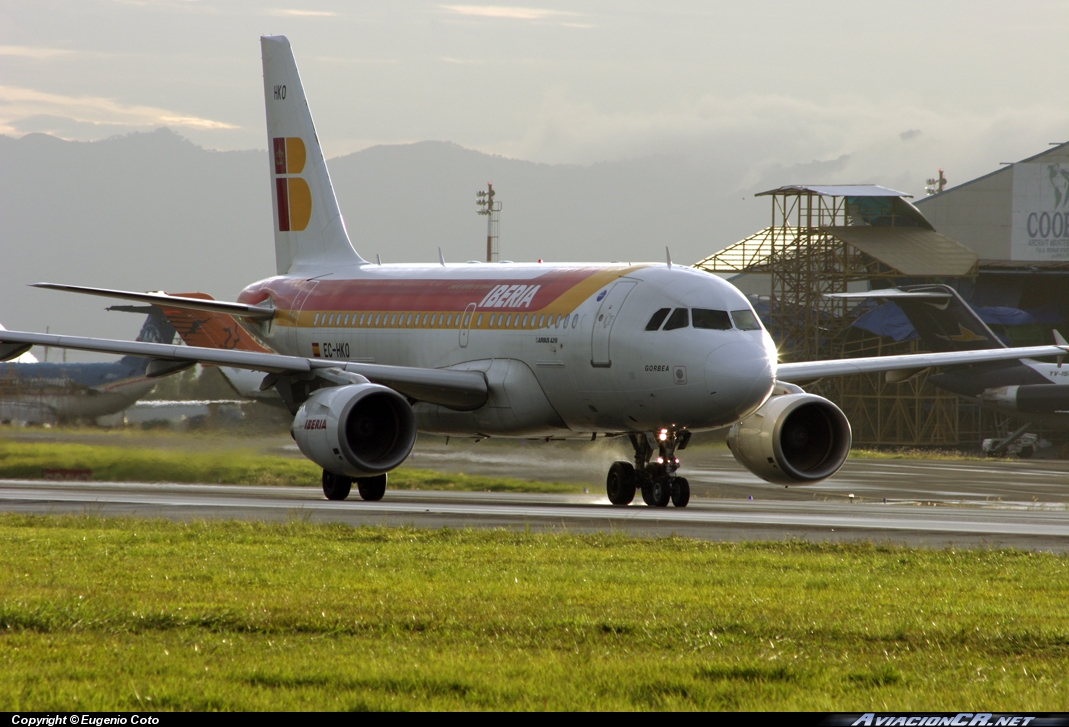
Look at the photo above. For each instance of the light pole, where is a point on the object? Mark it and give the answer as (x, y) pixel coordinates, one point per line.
(484, 200)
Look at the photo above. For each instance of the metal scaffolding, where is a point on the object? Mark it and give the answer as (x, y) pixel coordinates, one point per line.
(821, 240)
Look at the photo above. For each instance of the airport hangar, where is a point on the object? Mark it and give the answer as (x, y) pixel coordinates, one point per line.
(1001, 240)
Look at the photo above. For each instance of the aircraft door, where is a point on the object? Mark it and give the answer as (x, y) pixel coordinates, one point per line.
(606, 316)
(295, 316)
(465, 324)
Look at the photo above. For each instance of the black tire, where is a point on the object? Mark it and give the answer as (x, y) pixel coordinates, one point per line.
(336, 487)
(620, 484)
(1026, 452)
(680, 492)
(371, 488)
(656, 492)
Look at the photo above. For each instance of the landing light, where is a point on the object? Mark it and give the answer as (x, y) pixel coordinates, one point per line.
(664, 435)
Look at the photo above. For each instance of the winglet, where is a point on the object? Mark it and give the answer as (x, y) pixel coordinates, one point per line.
(1059, 339)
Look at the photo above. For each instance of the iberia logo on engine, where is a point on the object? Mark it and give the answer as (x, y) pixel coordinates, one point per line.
(292, 193)
(315, 423)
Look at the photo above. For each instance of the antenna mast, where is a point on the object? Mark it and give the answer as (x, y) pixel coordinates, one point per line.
(484, 200)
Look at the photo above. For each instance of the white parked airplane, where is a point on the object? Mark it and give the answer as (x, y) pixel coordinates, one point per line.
(369, 353)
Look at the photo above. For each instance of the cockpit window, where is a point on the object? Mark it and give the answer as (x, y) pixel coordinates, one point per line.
(657, 319)
(680, 318)
(745, 320)
(715, 319)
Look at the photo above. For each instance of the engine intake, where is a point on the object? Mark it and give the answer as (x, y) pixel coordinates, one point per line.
(358, 431)
(792, 439)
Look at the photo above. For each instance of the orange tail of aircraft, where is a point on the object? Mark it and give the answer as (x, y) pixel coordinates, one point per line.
(210, 330)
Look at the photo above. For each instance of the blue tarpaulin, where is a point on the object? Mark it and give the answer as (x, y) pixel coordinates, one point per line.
(889, 320)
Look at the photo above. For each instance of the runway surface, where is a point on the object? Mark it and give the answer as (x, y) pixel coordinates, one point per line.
(932, 503)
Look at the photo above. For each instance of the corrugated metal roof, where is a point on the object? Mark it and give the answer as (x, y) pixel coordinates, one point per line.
(912, 251)
(836, 190)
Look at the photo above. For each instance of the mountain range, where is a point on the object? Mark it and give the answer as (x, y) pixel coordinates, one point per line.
(153, 211)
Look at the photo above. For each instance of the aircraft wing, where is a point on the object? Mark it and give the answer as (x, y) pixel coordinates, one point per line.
(448, 387)
(809, 370)
(174, 301)
(892, 294)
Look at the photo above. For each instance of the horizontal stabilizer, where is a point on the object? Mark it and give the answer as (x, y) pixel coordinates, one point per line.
(214, 306)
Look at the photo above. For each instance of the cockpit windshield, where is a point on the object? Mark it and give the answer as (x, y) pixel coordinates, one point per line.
(680, 318)
(745, 320)
(715, 319)
(657, 319)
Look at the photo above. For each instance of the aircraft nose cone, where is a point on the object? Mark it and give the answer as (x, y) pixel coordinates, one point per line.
(740, 374)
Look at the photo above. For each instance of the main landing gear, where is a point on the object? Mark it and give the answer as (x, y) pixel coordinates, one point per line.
(654, 476)
(337, 487)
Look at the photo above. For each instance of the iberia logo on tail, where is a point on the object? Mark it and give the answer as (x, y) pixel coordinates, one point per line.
(294, 197)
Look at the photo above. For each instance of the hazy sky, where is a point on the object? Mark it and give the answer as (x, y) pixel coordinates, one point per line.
(867, 92)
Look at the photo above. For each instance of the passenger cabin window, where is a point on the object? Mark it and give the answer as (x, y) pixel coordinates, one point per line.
(680, 318)
(745, 320)
(717, 320)
(657, 319)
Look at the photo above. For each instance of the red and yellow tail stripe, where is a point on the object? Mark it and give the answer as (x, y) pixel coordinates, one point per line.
(292, 193)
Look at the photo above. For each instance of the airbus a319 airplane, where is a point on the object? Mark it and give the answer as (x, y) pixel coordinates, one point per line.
(368, 354)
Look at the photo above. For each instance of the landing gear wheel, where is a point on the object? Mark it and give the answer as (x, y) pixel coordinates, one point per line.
(371, 488)
(620, 484)
(336, 487)
(655, 492)
(680, 492)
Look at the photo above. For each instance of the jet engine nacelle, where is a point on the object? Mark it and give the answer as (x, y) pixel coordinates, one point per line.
(358, 431)
(793, 439)
(1030, 399)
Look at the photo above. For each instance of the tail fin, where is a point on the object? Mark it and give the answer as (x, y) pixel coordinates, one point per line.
(941, 317)
(949, 324)
(310, 234)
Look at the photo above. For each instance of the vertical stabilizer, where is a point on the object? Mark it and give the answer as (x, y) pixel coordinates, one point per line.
(310, 234)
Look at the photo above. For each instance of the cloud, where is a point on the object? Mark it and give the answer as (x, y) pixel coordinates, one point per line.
(288, 13)
(23, 51)
(765, 140)
(27, 103)
(508, 13)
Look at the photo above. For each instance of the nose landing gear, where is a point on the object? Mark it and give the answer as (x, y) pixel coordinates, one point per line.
(654, 476)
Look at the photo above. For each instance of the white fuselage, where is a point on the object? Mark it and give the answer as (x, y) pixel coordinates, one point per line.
(564, 348)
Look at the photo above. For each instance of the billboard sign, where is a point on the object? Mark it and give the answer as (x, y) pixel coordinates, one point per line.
(1040, 226)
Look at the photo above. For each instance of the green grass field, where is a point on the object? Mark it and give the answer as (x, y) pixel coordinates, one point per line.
(120, 614)
(232, 466)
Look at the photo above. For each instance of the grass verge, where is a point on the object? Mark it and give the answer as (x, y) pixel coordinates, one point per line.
(28, 460)
(131, 614)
